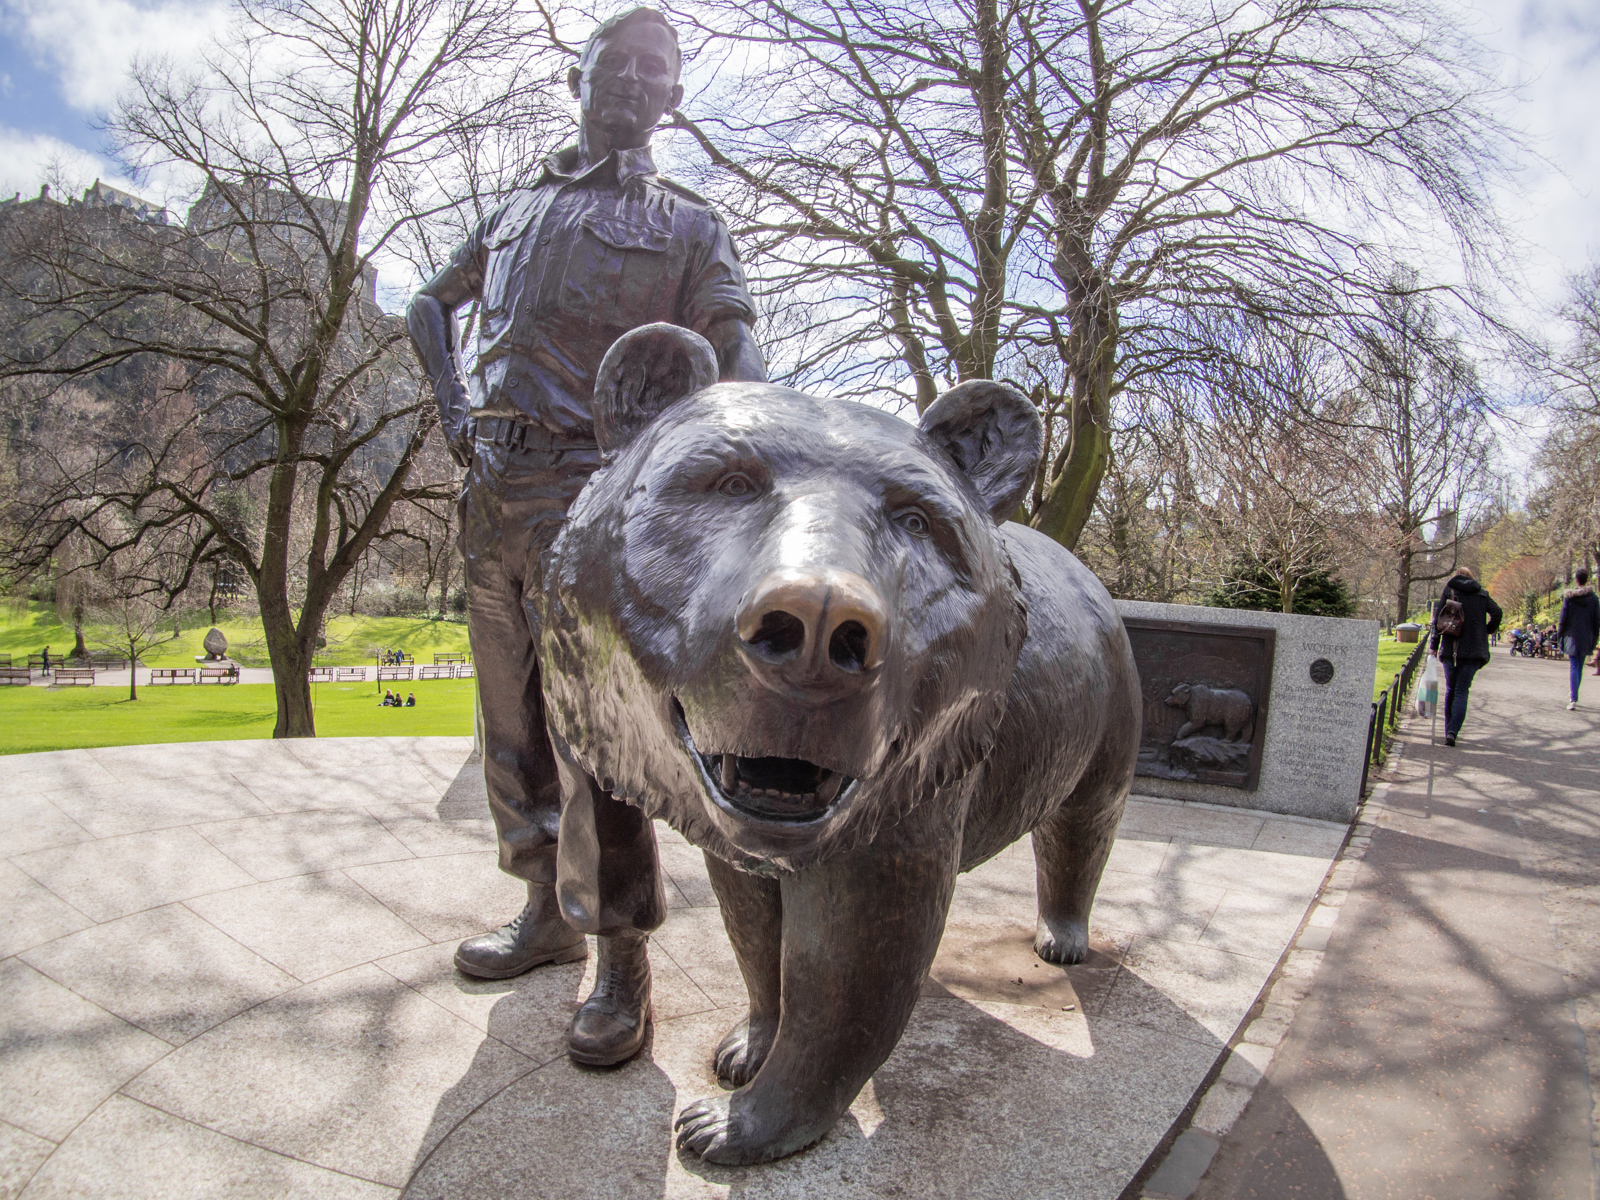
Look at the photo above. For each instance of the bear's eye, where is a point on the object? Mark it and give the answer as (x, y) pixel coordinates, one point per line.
(914, 521)
(736, 485)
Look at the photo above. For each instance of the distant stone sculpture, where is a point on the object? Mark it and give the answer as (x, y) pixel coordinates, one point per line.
(216, 645)
(803, 632)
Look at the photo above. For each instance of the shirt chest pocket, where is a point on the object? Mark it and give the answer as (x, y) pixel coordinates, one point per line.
(619, 271)
(505, 273)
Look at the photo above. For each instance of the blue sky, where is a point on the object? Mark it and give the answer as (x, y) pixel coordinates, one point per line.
(63, 61)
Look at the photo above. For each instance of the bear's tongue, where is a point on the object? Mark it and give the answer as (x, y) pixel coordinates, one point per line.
(782, 786)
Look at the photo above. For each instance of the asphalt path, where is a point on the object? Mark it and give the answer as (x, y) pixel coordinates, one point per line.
(1447, 1046)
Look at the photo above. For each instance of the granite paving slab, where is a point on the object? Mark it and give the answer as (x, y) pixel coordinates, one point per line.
(260, 1001)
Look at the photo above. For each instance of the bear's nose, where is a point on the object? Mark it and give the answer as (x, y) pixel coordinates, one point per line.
(813, 625)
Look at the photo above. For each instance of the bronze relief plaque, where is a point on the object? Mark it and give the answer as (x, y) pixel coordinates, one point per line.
(1205, 690)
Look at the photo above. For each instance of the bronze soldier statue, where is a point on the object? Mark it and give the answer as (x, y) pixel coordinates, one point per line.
(600, 245)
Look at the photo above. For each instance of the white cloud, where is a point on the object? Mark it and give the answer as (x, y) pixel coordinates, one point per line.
(1550, 49)
(90, 44)
(29, 159)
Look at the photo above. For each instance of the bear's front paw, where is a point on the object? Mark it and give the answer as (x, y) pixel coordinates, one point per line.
(1063, 942)
(728, 1130)
(740, 1054)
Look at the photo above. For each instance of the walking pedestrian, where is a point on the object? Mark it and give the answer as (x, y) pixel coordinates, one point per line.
(1462, 654)
(1578, 629)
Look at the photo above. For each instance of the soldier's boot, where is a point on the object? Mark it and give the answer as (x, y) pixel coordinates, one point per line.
(610, 1027)
(535, 936)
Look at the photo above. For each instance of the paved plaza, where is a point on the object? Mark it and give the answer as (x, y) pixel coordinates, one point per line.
(228, 973)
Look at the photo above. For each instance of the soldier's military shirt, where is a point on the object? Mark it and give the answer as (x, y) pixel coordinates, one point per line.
(566, 267)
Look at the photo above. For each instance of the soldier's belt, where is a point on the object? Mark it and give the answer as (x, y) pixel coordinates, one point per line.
(524, 435)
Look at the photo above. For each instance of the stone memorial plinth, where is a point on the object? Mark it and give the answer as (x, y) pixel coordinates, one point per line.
(1256, 710)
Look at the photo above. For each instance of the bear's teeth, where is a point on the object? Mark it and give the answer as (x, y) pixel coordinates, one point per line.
(730, 774)
(828, 791)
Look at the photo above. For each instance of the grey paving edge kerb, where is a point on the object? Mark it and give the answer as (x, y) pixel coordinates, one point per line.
(1180, 1160)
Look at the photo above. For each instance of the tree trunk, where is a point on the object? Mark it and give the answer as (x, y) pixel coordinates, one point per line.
(296, 718)
(133, 670)
(291, 661)
(79, 650)
(1403, 591)
(1091, 352)
(1285, 595)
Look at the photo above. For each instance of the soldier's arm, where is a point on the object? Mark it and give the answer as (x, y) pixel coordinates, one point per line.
(436, 334)
(719, 307)
(738, 356)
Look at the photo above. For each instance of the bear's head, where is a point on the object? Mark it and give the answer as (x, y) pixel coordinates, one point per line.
(1180, 696)
(781, 622)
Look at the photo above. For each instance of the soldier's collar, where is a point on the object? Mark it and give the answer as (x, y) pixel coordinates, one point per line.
(623, 165)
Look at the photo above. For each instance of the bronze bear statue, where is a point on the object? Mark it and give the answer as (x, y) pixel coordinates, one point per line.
(802, 632)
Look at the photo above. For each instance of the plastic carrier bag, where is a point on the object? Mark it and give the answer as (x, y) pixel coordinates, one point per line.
(1428, 689)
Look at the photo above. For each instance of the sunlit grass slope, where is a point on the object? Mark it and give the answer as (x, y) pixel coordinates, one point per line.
(38, 718)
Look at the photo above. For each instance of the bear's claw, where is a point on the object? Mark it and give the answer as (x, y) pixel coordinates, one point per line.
(740, 1054)
(727, 1130)
(1062, 942)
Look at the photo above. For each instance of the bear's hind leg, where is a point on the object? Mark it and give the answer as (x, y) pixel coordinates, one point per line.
(752, 913)
(1070, 848)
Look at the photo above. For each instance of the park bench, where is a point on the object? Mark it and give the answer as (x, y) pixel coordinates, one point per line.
(171, 675)
(464, 671)
(350, 674)
(5, 660)
(74, 676)
(435, 672)
(448, 659)
(393, 673)
(15, 676)
(218, 675)
(108, 662)
(321, 675)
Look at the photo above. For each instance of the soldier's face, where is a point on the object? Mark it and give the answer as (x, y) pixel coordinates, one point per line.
(628, 82)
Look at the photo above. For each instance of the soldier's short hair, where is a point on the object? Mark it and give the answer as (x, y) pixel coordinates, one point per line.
(623, 19)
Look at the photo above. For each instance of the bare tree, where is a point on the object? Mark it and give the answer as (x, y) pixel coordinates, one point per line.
(1569, 493)
(1426, 413)
(131, 624)
(320, 136)
(943, 188)
(1272, 467)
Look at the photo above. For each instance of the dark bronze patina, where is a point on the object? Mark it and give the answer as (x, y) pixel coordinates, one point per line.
(802, 632)
(599, 245)
(1205, 691)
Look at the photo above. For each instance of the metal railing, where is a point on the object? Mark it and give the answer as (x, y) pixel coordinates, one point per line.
(1386, 710)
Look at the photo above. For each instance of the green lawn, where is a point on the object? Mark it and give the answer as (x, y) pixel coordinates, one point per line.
(37, 718)
(1392, 657)
(28, 629)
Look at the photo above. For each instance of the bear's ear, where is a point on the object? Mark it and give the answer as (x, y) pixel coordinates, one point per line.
(647, 370)
(996, 437)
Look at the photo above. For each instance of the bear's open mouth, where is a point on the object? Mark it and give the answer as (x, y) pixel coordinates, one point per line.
(772, 789)
(777, 789)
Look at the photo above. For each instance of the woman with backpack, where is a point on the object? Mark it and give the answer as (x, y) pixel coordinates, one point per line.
(1462, 623)
(1578, 629)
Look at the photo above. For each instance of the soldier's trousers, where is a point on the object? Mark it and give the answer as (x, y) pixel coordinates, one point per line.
(512, 507)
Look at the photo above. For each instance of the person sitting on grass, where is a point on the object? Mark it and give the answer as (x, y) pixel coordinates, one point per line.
(388, 698)
(411, 699)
